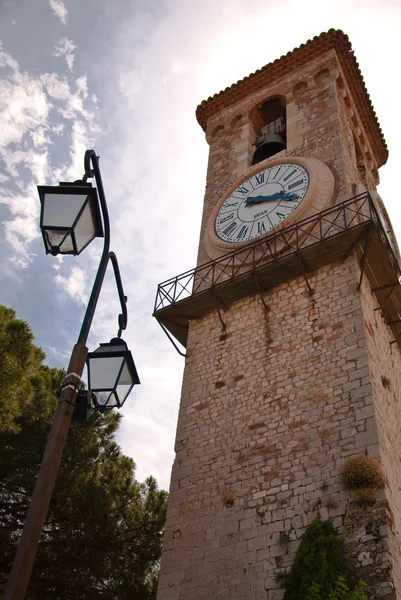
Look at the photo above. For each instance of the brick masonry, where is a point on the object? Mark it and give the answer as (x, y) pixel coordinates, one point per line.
(272, 406)
(321, 122)
(267, 418)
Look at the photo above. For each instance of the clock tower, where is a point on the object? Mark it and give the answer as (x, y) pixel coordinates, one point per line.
(292, 329)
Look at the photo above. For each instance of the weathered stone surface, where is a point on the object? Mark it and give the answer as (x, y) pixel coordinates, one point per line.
(276, 439)
(272, 406)
(366, 548)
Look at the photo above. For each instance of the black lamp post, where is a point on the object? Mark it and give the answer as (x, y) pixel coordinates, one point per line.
(70, 219)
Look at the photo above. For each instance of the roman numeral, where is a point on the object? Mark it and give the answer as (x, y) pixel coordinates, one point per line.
(228, 230)
(242, 232)
(280, 215)
(226, 205)
(261, 227)
(295, 184)
(290, 175)
(228, 218)
(260, 178)
(243, 190)
(276, 175)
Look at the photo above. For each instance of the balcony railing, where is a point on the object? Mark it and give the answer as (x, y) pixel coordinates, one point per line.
(308, 232)
(300, 248)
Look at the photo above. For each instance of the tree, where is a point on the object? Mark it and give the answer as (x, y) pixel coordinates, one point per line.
(319, 571)
(102, 538)
(20, 361)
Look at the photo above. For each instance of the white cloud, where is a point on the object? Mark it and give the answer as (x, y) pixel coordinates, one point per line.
(59, 10)
(75, 284)
(58, 129)
(39, 137)
(21, 262)
(65, 48)
(22, 229)
(56, 87)
(6, 60)
(32, 111)
(23, 104)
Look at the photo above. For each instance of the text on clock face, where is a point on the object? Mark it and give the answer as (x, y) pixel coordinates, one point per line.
(262, 202)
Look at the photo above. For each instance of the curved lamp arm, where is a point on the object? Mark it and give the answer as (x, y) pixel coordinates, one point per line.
(92, 170)
(123, 316)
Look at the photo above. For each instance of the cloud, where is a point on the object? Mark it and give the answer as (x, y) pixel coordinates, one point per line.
(65, 48)
(34, 110)
(75, 284)
(59, 10)
(23, 103)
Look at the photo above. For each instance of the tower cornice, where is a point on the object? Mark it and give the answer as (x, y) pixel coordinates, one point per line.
(294, 60)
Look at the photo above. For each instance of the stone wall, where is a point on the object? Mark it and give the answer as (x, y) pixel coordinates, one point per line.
(321, 122)
(270, 410)
(385, 369)
(273, 405)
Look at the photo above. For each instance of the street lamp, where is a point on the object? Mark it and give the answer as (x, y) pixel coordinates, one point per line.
(71, 217)
(111, 374)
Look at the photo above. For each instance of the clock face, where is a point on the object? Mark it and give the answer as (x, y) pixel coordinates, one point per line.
(261, 202)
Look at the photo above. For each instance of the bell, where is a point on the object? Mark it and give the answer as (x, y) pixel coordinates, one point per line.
(272, 143)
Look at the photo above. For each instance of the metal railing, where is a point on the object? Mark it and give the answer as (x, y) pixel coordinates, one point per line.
(306, 233)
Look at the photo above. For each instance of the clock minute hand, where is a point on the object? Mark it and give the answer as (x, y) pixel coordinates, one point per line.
(272, 197)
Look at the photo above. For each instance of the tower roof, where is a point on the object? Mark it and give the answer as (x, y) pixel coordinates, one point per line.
(333, 39)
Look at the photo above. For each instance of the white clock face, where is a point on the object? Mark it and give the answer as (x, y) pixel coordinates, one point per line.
(261, 203)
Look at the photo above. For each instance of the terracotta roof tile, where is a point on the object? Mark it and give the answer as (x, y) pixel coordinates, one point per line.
(294, 59)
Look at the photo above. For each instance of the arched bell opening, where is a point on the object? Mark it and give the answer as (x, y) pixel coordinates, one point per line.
(270, 124)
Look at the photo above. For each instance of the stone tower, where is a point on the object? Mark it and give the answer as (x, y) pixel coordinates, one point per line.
(291, 323)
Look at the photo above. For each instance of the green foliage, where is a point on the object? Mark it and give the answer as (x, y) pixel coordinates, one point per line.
(319, 560)
(313, 592)
(318, 571)
(19, 363)
(362, 472)
(341, 591)
(102, 538)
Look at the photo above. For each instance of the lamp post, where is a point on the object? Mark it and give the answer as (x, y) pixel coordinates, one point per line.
(70, 219)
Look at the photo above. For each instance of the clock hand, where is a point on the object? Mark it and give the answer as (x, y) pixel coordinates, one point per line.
(272, 197)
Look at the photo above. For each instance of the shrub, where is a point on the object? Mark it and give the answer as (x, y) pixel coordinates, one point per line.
(365, 497)
(319, 571)
(341, 591)
(361, 472)
(319, 561)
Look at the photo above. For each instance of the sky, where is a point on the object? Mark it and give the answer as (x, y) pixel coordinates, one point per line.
(124, 77)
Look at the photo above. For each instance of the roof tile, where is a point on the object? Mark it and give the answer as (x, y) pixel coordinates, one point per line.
(292, 60)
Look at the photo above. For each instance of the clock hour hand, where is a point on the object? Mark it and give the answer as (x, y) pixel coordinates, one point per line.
(272, 197)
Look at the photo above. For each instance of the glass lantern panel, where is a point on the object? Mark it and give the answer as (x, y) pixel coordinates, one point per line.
(104, 372)
(60, 239)
(122, 391)
(106, 398)
(124, 384)
(61, 210)
(84, 230)
(125, 377)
